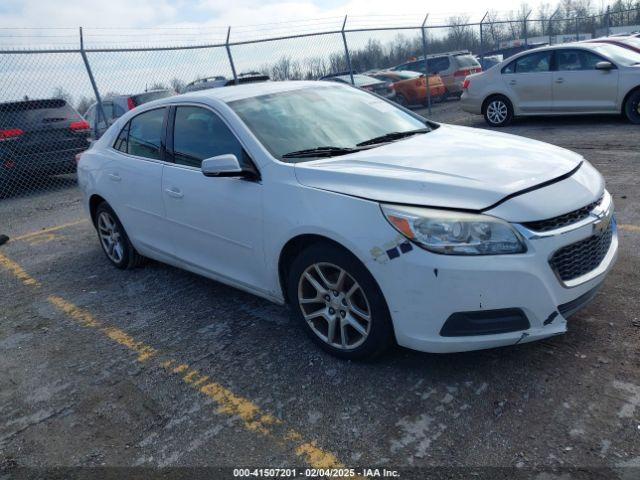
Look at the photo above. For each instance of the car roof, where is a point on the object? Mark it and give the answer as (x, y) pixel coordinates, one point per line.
(242, 91)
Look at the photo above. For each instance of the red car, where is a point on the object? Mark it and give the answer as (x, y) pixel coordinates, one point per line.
(630, 43)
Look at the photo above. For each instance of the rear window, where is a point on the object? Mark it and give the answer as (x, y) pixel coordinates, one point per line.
(141, 98)
(466, 61)
(438, 64)
(35, 113)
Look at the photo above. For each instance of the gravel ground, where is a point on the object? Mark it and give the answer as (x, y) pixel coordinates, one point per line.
(107, 368)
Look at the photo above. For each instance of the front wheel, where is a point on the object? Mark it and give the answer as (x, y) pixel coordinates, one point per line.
(339, 303)
(632, 107)
(498, 111)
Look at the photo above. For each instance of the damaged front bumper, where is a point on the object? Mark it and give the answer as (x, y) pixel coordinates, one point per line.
(425, 290)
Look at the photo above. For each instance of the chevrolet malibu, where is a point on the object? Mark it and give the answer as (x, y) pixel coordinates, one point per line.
(375, 225)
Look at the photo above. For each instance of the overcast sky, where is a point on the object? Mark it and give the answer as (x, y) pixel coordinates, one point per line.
(151, 13)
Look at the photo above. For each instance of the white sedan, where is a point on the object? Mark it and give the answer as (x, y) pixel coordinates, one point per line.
(375, 225)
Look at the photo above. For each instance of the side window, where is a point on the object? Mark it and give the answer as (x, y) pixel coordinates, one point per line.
(439, 64)
(511, 68)
(89, 115)
(199, 133)
(145, 133)
(533, 63)
(118, 111)
(121, 141)
(415, 66)
(576, 60)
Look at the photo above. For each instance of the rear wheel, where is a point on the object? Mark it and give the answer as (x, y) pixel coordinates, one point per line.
(339, 303)
(114, 240)
(632, 107)
(498, 111)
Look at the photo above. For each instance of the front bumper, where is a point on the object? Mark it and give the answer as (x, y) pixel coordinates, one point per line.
(423, 290)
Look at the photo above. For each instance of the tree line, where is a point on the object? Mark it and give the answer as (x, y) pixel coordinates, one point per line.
(564, 17)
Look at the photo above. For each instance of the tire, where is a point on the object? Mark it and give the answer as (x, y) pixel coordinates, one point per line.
(359, 302)
(401, 100)
(123, 255)
(632, 107)
(498, 111)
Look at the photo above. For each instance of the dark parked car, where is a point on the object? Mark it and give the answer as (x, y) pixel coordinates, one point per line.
(39, 137)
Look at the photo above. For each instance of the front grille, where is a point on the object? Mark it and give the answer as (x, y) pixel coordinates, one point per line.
(562, 220)
(581, 257)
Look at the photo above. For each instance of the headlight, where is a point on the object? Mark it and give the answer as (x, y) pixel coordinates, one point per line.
(455, 233)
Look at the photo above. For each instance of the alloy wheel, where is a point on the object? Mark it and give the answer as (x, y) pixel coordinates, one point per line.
(334, 305)
(497, 112)
(110, 237)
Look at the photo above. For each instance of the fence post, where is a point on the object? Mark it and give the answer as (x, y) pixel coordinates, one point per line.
(577, 30)
(346, 50)
(525, 31)
(233, 67)
(551, 25)
(426, 63)
(482, 39)
(99, 107)
(607, 21)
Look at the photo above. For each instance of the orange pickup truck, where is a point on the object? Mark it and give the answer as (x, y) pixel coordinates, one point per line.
(411, 87)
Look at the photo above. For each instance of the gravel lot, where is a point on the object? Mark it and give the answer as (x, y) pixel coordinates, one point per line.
(107, 368)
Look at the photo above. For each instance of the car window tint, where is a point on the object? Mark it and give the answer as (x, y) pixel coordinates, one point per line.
(576, 60)
(199, 133)
(121, 141)
(438, 64)
(145, 133)
(118, 111)
(536, 62)
(511, 68)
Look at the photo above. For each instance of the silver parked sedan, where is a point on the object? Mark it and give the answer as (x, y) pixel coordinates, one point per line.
(575, 78)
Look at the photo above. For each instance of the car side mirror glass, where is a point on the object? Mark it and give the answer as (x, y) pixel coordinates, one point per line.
(221, 166)
(604, 65)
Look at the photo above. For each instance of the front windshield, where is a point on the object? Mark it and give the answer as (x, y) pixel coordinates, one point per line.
(332, 115)
(620, 55)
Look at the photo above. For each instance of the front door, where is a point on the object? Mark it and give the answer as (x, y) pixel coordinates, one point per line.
(215, 223)
(579, 87)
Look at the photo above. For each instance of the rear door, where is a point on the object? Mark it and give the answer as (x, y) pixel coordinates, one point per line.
(216, 223)
(579, 87)
(133, 178)
(528, 79)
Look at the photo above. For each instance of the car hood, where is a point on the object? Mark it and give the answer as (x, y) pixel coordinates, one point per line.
(452, 167)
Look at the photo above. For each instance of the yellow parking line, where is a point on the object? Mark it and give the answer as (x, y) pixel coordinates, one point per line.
(629, 227)
(18, 271)
(253, 418)
(48, 230)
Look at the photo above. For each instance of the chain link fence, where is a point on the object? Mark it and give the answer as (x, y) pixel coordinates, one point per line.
(60, 87)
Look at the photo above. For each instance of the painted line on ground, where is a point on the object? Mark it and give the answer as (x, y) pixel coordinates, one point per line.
(48, 230)
(628, 227)
(251, 416)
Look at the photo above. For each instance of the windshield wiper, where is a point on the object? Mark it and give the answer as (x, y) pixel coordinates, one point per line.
(389, 137)
(328, 151)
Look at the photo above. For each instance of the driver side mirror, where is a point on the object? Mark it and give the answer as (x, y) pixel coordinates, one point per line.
(604, 65)
(222, 166)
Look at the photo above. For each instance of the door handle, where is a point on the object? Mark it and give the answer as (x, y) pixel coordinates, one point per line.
(174, 192)
(115, 177)
(559, 80)
(512, 82)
